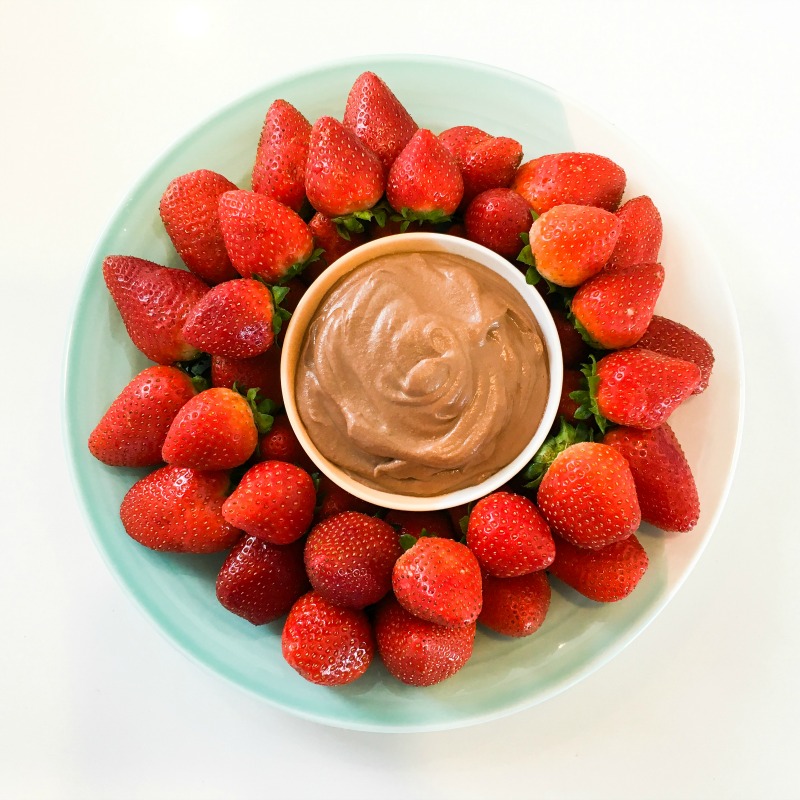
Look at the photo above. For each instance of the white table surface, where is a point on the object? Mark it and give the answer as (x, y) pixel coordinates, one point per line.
(95, 703)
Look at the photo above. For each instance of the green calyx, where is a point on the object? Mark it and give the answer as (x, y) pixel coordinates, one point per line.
(587, 398)
(407, 540)
(279, 314)
(533, 277)
(567, 436)
(262, 407)
(585, 335)
(354, 223)
(407, 216)
(199, 370)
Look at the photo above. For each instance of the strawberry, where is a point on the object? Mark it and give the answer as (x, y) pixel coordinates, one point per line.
(515, 606)
(332, 499)
(424, 183)
(414, 523)
(496, 218)
(417, 652)
(280, 443)
(280, 168)
(274, 501)
(664, 482)
(349, 558)
(567, 406)
(439, 580)
(508, 536)
(260, 372)
(264, 238)
(636, 387)
(132, 432)
(603, 575)
(190, 215)
(582, 179)
(673, 339)
(154, 302)
(378, 118)
(295, 289)
(614, 308)
(588, 496)
(213, 430)
(572, 243)
(332, 242)
(327, 644)
(178, 510)
(574, 350)
(235, 319)
(485, 161)
(640, 237)
(260, 581)
(342, 175)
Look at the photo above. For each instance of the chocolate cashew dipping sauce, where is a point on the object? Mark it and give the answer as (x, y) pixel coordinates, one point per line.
(422, 373)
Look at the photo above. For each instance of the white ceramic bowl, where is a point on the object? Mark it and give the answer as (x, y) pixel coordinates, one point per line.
(405, 243)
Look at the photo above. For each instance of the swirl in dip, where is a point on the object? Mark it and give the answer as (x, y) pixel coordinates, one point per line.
(422, 373)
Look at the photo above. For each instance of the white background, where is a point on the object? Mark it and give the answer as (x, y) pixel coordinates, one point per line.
(95, 703)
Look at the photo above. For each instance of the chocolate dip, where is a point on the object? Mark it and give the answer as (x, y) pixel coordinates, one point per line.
(422, 373)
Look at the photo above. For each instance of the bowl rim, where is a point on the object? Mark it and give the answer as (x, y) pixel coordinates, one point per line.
(415, 242)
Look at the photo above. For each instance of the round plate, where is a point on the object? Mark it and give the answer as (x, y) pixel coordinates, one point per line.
(177, 591)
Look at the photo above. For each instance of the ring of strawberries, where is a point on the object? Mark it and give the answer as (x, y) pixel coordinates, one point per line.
(352, 580)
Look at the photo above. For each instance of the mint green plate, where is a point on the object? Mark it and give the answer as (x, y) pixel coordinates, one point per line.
(177, 592)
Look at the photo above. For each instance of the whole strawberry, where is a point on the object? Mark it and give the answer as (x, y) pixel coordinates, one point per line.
(154, 302)
(132, 432)
(515, 606)
(349, 559)
(615, 308)
(280, 443)
(260, 372)
(603, 575)
(673, 339)
(332, 499)
(422, 523)
(567, 406)
(280, 168)
(326, 644)
(664, 482)
(274, 501)
(570, 178)
(189, 211)
(572, 243)
(574, 350)
(214, 430)
(343, 176)
(508, 536)
(496, 218)
(640, 236)
(588, 496)
(417, 652)
(260, 581)
(332, 242)
(378, 118)
(263, 237)
(179, 510)
(439, 580)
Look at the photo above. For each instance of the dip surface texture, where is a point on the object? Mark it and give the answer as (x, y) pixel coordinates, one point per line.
(422, 373)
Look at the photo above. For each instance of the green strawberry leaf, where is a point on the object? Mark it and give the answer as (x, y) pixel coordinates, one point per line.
(587, 398)
(566, 436)
(315, 480)
(280, 314)
(526, 257)
(263, 409)
(407, 217)
(200, 383)
(585, 335)
(197, 368)
(347, 224)
(407, 541)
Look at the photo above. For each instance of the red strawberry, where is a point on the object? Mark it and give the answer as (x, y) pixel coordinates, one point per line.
(577, 178)
(496, 218)
(457, 229)
(280, 168)
(439, 580)
(615, 307)
(274, 501)
(333, 244)
(417, 652)
(132, 431)
(378, 118)
(280, 443)
(263, 237)
(413, 523)
(604, 575)
(326, 644)
(588, 496)
(573, 382)
(332, 499)
(462, 140)
(673, 339)
(234, 319)
(178, 509)
(509, 536)
(515, 606)
(664, 482)
(349, 558)
(424, 182)
(572, 243)
(639, 388)
(640, 238)
(342, 175)
(189, 211)
(261, 372)
(213, 430)
(261, 581)
(154, 302)
(574, 350)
